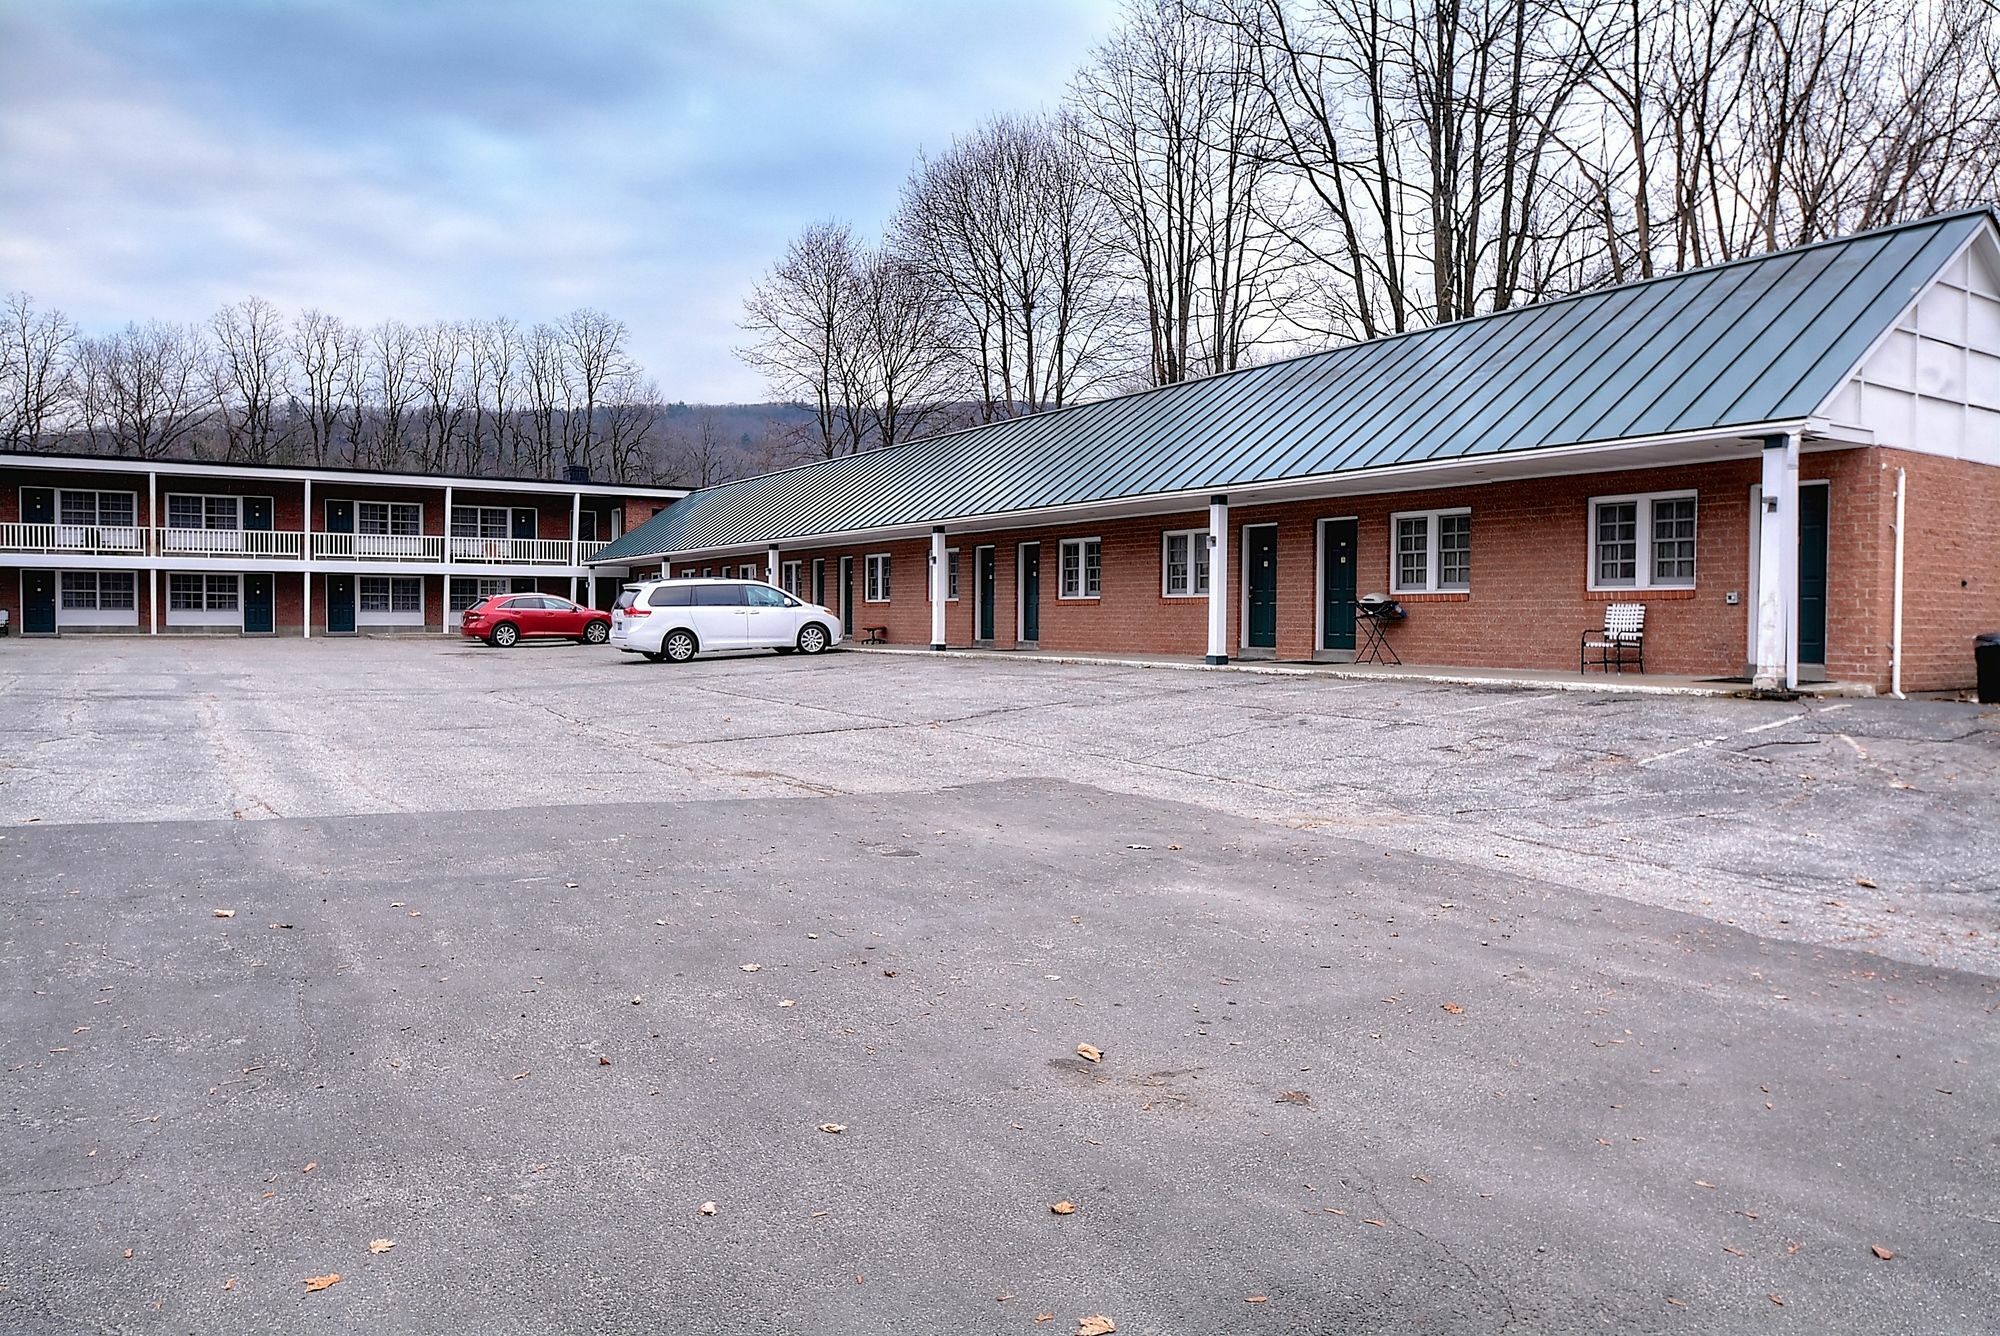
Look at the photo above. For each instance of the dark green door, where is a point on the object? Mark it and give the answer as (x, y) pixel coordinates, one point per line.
(38, 505)
(340, 517)
(1031, 592)
(256, 512)
(1812, 574)
(819, 581)
(1336, 585)
(258, 605)
(847, 596)
(524, 522)
(38, 603)
(988, 581)
(340, 603)
(1260, 554)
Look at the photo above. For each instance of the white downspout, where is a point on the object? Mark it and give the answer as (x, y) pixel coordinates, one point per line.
(1896, 601)
(306, 561)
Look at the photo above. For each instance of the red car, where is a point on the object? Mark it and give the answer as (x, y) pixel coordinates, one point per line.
(506, 619)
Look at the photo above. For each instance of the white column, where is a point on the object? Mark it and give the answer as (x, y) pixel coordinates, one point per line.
(575, 540)
(444, 616)
(771, 568)
(1777, 566)
(1218, 579)
(153, 546)
(940, 585)
(306, 562)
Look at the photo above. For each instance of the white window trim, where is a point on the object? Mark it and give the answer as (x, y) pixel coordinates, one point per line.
(792, 578)
(950, 556)
(1431, 567)
(1197, 547)
(868, 577)
(1643, 563)
(392, 617)
(393, 507)
(61, 492)
(1082, 570)
(204, 615)
(167, 510)
(97, 616)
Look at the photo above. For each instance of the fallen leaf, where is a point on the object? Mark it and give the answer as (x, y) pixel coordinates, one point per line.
(380, 1245)
(1700, 1184)
(518, 1075)
(818, 1214)
(1733, 1252)
(1875, 1248)
(603, 1061)
(1097, 1324)
(537, 1168)
(637, 1000)
(835, 1128)
(1257, 1299)
(223, 913)
(1090, 1052)
(1379, 1224)
(750, 969)
(1864, 882)
(1045, 1317)
(1678, 1303)
(229, 1284)
(315, 1283)
(1776, 1300)
(1294, 1097)
(128, 1253)
(708, 1208)
(788, 1002)
(1062, 1208)
(1452, 1008)
(310, 1166)
(1002, 1297)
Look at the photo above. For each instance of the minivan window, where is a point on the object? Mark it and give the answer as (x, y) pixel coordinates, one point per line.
(718, 596)
(763, 596)
(670, 596)
(626, 599)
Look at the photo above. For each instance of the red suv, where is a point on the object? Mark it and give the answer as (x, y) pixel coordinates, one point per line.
(506, 619)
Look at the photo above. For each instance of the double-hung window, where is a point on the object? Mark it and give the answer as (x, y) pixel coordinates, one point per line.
(1643, 542)
(111, 510)
(403, 519)
(467, 591)
(875, 587)
(390, 594)
(950, 577)
(204, 512)
(202, 593)
(1082, 569)
(1431, 551)
(794, 578)
(99, 591)
(1184, 563)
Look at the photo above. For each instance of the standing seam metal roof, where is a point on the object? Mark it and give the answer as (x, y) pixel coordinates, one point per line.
(1766, 339)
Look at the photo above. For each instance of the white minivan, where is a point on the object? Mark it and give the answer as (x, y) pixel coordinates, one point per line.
(678, 619)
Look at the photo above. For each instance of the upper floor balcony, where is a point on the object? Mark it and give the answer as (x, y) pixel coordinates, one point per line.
(224, 544)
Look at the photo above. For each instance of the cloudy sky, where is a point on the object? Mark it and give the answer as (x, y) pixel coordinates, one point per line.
(445, 158)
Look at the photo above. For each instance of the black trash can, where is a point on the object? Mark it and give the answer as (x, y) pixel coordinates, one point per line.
(1986, 654)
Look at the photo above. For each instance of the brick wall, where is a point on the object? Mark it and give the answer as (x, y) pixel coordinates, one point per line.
(1951, 565)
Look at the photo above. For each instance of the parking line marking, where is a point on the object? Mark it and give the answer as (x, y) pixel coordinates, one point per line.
(1765, 727)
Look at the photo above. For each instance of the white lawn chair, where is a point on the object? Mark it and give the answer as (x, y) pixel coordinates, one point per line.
(1622, 639)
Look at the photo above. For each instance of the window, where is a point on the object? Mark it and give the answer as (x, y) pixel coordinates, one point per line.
(478, 522)
(467, 591)
(718, 596)
(99, 591)
(1184, 563)
(950, 577)
(110, 509)
(794, 578)
(875, 588)
(390, 593)
(204, 512)
(1431, 551)
(1643, 542)
(671, 596)
(404, 518)
(1082, 568)
(201, 593)
(763, 596)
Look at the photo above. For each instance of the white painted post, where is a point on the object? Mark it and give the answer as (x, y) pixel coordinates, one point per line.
(444, 615)
(153, 547)
(1777, 566)
(940, 585)
(575, 540)
(771, 566)
(306, 563)
(1218, 579)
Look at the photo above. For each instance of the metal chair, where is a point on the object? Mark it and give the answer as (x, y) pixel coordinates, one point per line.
(1622, 639)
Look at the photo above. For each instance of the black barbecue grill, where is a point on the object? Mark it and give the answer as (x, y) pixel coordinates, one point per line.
(1374, 614)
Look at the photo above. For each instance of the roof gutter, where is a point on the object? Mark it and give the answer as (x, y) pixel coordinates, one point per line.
(1391, 478)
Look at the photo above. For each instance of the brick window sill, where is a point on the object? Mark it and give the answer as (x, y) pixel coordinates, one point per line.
(1639, 595)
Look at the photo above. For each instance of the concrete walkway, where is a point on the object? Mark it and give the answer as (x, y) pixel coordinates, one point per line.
(1533, 679)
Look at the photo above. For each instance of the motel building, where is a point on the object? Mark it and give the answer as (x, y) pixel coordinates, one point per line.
(156, 547)
(1791, 463)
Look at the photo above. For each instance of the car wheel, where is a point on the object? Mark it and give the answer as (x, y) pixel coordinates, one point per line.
(596, 633)
(504, 635)
(812, 639)
(679, 646)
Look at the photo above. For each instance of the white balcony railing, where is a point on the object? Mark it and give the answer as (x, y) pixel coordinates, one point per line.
(106, 539)
(377, 547)
(514, 551)
(280, 543)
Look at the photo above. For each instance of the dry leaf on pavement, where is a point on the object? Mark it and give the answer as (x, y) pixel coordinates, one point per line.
(314, 1283)
(1453, 1009)
(750, 969)
(1257, 1299)
(708, 1208)
(1045, 1317)
(834, 1128)
(1090, 1052)
(380, 1245)
(1875, 1248)
(1063, 1207)
(128, 1254)
(1097, 1324)
(224, 913)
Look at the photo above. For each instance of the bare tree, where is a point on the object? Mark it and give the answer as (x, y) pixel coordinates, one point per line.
(547, 386)
(594, 347)
(320, 345)
(800, 321)
(440, 370)
(35, 386)
(631, 412)
(701, 458)
(145, 391)
(393, 387)
(251, 372)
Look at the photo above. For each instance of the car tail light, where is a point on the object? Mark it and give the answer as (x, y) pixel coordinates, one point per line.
(636, 611)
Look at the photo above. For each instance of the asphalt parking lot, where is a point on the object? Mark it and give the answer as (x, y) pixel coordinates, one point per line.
(1420, 1008)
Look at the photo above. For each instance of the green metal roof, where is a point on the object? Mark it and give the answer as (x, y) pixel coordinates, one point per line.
(1761, 340)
